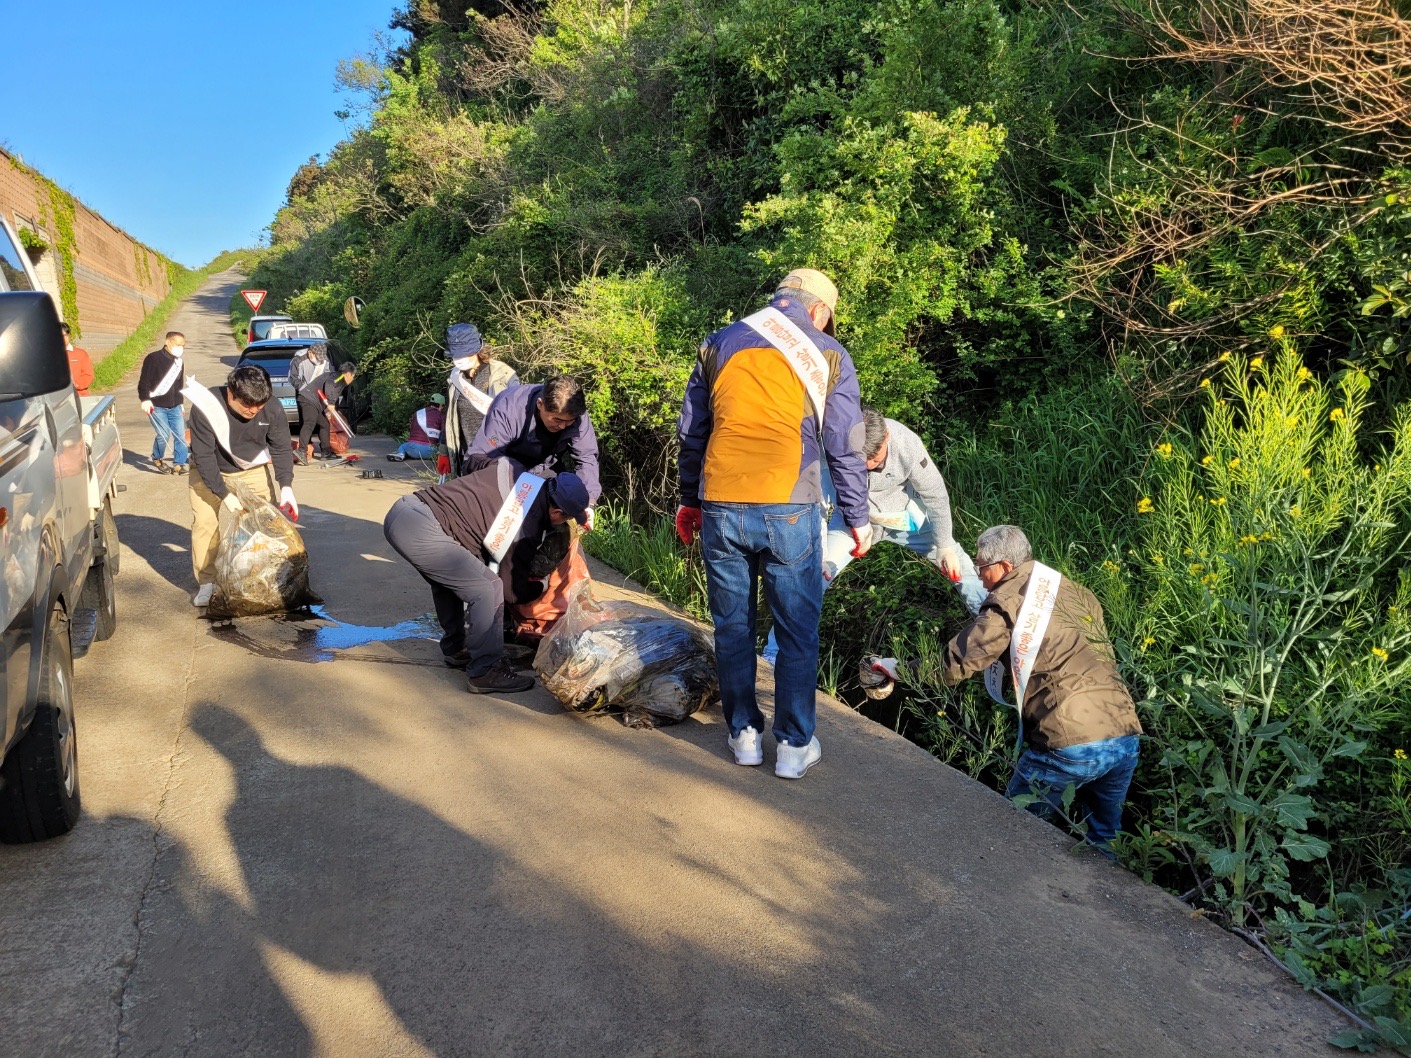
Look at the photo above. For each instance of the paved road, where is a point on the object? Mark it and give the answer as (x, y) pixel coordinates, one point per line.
(294, 849)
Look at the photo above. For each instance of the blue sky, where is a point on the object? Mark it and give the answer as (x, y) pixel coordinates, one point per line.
(180, 122)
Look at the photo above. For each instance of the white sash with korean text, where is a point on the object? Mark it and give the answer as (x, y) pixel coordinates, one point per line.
(212, 409)
(1030, 627)
(479, 400)
(506, 525)
(430, 431)
(798, 350)
(162, 388)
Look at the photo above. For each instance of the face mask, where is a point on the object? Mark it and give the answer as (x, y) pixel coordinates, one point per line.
(177, 350)
(464, 363)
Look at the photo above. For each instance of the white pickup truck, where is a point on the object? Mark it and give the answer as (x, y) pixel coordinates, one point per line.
(59, 458)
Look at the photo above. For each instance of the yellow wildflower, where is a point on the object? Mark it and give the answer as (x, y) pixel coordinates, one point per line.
(1276, 331)
(1144, 505)
(1205, 383)
(1249, 538)
(1336, 415)
(1207, 460)
(1164, 451)
(1188, 552)
(1159, 558)
(1380, 654)
(1196, 568)
(1307, 472)
(1266, 535)
(1256, 364)
(1233, 464)
(1218, 501)
(1295, 511)
(1399, 754)
(1224, 357)
(1291, 421)
(1209, 579)
(1111, 567)
(1304, 374)
(1149, 640)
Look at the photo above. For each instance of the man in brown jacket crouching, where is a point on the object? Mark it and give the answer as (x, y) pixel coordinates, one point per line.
(1078, 720)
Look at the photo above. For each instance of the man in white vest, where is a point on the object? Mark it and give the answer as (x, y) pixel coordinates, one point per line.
(1078, 721)
(472, 539)
(236, 438)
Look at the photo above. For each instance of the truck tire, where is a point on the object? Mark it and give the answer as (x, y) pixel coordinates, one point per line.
(108, 537)
(39, 795)
(99, 592)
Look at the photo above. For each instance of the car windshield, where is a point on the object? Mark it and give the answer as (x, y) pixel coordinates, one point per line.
(259, 329)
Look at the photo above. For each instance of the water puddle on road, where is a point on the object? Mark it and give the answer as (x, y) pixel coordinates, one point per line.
(313, 636)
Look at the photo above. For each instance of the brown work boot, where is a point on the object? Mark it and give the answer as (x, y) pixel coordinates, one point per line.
(500, 679)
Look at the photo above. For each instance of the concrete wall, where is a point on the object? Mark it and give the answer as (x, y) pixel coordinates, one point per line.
(119, 280)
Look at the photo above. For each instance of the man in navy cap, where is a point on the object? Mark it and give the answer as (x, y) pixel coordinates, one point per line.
(476, 379)
(544, 428)
(473, 539)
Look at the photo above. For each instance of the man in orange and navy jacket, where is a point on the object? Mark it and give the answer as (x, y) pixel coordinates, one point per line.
(751, 486)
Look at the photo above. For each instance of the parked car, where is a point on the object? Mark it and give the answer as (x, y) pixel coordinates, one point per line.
(257, 330)
(59, 458)
(296, 330)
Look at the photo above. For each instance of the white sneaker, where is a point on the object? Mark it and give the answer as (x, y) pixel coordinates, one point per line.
(748, 747)
(203, 595)
(793, 761)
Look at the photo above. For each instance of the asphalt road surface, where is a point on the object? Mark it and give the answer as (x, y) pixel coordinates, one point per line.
(309, 839)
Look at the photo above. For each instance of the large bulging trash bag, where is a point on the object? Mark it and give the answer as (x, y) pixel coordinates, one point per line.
(616, 656)
(261, 563)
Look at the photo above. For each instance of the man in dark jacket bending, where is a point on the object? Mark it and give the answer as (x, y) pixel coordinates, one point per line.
(1077, 717)
(473, 539)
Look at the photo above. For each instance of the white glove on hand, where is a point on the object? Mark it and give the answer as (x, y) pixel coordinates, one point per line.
(286, 497)
(147, 407)
(232, 503)
(863, 537)
(588, 525)
(949, 556)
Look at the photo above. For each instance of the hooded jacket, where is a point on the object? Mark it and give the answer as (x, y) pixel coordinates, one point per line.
(512, 428)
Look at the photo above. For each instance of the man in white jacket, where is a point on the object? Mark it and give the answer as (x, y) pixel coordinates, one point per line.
(908, 505)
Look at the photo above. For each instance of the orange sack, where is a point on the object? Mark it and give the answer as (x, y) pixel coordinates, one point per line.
(533, 619)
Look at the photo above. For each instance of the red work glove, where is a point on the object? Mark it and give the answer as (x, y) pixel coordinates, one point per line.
(863, 538)
(688, 523)
(443, 464)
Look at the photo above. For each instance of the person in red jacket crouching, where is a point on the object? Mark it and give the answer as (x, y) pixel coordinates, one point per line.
(424, 433)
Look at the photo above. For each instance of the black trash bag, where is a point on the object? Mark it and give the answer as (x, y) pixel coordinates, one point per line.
(649, 665)
(262, 565)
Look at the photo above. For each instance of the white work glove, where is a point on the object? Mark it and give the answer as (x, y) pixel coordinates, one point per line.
(286, 499)
(950, 560)
(863, 537)
(588, 525)
(147, 407)
(232, 503)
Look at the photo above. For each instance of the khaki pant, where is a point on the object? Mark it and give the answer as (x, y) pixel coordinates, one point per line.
(205, 526)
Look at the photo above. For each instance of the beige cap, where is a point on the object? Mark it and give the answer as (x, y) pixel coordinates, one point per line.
(812, 281)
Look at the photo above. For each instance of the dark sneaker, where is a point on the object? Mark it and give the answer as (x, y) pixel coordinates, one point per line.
(501, 679)
(160, 466)
(300, 458)
(459, 660)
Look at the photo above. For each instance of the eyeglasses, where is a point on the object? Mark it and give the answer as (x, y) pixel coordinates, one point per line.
(987, 565)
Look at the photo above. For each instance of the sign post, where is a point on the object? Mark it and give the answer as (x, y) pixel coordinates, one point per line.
(255, 298)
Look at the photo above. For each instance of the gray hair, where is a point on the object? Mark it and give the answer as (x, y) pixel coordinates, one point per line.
(874, 432)
(1003, 543)
(803, 298)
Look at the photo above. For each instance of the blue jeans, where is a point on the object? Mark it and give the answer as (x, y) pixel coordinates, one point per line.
(838, 556)
(416, 449)
(168, 423)
(1101, 773)
(742, 544)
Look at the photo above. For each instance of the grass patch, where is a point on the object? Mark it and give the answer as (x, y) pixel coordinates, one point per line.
(137, 344)
(650, 555)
